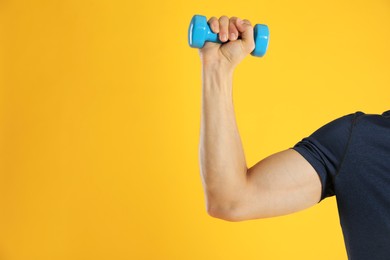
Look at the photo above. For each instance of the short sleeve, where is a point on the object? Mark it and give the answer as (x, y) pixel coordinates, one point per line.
(325, 148)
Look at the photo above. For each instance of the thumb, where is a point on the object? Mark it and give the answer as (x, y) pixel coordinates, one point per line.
(246, 30)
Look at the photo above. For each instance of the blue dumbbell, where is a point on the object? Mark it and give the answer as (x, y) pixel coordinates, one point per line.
(199, 32)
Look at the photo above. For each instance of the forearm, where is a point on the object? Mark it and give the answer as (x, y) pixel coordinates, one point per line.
(222, 160)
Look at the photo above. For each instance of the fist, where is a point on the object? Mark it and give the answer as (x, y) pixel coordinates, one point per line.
(237, 40)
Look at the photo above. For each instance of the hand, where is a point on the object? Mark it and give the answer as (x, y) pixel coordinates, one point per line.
(228, 54)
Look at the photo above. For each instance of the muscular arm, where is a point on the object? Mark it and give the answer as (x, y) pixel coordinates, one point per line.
(280, 184)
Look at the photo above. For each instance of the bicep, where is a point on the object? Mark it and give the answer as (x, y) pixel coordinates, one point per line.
(280, 184)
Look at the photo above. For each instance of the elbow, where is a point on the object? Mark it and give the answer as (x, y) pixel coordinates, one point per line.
(227, 213)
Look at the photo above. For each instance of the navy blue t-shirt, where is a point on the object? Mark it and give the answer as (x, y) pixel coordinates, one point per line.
(351, 155)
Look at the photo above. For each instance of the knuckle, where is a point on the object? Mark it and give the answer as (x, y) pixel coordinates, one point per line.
(223, 19)
(212, 19)
(247, 22)
(214, 25)
(232, 26)
(223, 24)
(232, 23)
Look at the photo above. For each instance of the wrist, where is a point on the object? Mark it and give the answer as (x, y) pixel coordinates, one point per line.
(217, 71)
(217, 79)
(219, 67)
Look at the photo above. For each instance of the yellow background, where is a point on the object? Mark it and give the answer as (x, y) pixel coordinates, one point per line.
(100, 115)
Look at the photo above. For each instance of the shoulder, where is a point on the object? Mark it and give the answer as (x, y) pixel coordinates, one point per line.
(340, 126)
(360, 117)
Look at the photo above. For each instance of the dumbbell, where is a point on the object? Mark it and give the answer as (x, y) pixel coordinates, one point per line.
(199, 32)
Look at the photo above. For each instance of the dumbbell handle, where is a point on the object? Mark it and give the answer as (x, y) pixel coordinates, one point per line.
(213, 37)
(199, 32)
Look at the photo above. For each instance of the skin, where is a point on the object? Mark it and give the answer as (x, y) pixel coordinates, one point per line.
(280, 184)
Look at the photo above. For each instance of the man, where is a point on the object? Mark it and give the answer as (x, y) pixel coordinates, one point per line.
(348, 157)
